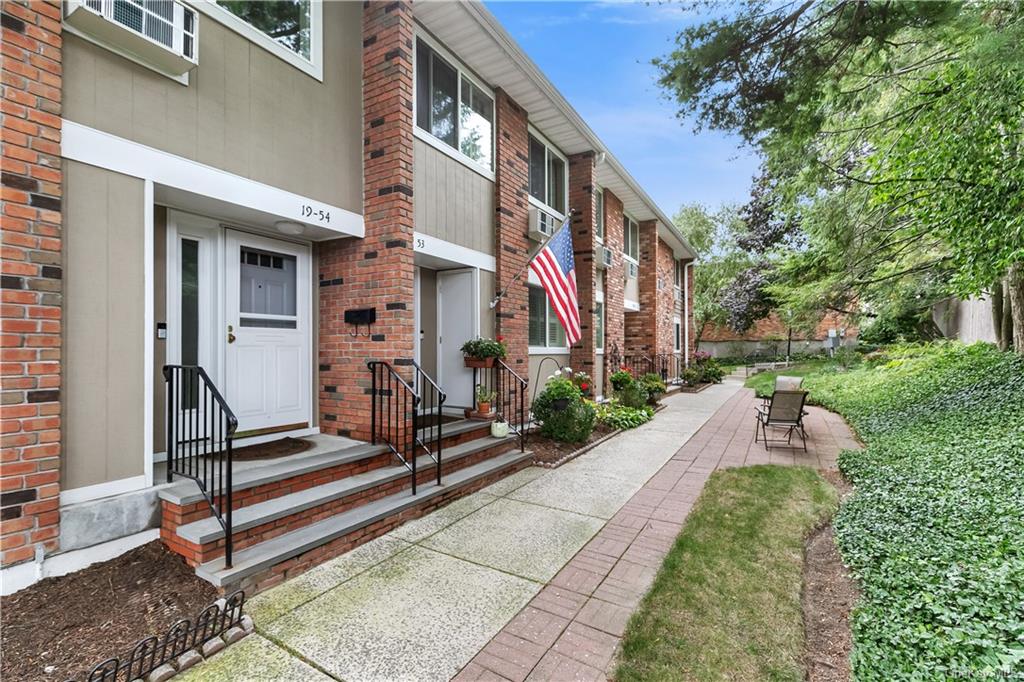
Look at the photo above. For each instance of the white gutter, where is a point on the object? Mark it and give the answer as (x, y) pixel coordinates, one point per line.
(497, 32)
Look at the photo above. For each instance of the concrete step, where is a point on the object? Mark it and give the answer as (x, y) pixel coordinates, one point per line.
(209, 529)
(259, 558)
(187, 492)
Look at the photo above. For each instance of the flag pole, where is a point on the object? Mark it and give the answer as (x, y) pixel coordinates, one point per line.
(501, 294)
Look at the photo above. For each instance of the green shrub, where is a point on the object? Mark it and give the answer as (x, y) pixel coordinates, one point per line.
(485, 348)
(654, 386)
(575, 422)
(691, 376)
(621, 379)
(711, 371)
(632, 395)
(935, 530)
(616, 416)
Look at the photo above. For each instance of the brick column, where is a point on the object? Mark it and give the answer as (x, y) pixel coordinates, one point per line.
(376, 271)
(511, 224)
(691, 346)
(581, 198)
(665, 298)
(614, 289)
(32, 280)
(642, 326)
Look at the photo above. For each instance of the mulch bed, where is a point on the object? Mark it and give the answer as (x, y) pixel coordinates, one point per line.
(60, 628)
(282, 447)
(694, 389)
(547, 451)
(829, 593)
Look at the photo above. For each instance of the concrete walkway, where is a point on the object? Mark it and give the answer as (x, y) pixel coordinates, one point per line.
(533, 577)
(420, 602)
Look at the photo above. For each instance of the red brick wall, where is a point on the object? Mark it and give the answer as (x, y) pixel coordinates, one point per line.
(376, 271)
(772, 326)
(511, 224)
(642, 325)
(581, 198)
(665, 297)
(614, 291)
(688, 312)
(32, 279)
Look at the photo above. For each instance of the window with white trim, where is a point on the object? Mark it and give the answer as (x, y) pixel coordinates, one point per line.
(678, 326)
(288, 23)
(631, 238)
(548, 178)
(599, 215)
(679, 274)
(453, 108)
(545, 329)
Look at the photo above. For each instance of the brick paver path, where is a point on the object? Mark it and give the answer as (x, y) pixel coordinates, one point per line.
(572, 627)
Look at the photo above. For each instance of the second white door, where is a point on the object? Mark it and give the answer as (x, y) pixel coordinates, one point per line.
(457, 322)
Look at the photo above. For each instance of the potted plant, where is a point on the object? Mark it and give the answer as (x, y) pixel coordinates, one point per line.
(484, 396)
(499, 429)
(482, 353)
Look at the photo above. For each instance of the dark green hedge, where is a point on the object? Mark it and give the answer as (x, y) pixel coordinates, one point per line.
(935, 530)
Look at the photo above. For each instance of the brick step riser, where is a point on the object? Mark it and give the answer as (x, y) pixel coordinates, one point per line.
(249, 496)
(196, 554)
(290, 568)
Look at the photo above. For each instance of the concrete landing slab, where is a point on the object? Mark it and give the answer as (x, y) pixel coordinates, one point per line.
(420, 615)
(268, 606)
(256, 660)
(523, 539)
(580, 491)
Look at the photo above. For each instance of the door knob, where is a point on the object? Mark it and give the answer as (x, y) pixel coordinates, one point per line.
(231, 337)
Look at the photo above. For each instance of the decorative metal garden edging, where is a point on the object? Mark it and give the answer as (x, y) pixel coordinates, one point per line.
(184, 645)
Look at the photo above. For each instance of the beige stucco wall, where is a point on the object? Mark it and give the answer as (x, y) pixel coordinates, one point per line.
(452, 202)
(245, 110)
(631, 289)
(103, 337)
(539, 375)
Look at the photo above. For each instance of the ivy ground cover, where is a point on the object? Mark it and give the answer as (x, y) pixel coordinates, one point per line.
(935, 530)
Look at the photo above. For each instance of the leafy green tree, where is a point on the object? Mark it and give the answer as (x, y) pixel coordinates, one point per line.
(892, 138)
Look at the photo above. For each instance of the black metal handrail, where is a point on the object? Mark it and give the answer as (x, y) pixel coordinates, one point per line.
(431, 417)
(200, 433)
(510, 392)
(393, 414)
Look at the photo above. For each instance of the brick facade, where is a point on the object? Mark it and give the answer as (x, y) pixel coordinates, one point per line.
(511, 229)
(691, 339)
(581, 198)
(32, 280)
(773, 327)
(376, 271)
(650, 331)
(665, 296)
(614, 286)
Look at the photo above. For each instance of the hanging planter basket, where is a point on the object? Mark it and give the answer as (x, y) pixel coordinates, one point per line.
(478, 363)
(560, 404)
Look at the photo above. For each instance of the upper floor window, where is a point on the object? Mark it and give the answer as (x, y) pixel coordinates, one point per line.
(599, 215)
(631, 238)
(289, 29)
(453, 108)
(548, 179)
(286, 22)
(679, 274)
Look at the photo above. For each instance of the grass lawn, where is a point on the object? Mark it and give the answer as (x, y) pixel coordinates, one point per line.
(726, 603)
(764, 382)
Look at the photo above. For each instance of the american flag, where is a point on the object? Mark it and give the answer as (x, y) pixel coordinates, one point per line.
(556, 268)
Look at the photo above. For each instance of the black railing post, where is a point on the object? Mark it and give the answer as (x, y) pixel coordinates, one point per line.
(228, 540)
(373, 404)
(169, 379)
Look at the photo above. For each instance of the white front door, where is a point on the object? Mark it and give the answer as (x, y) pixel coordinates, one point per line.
(267, 316)
(457, 322)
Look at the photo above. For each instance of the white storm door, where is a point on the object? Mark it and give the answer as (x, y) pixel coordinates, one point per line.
(457, 322)
(267, 358)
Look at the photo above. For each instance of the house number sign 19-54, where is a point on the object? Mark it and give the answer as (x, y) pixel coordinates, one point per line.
(317, 214)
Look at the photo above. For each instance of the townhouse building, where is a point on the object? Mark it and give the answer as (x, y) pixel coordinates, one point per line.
(317, 206)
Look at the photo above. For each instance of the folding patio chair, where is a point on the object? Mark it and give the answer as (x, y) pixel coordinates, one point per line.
(785, 409)
(783, 383)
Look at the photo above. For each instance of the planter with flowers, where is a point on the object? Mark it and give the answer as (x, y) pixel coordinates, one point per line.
(482, 353)
(484, 398)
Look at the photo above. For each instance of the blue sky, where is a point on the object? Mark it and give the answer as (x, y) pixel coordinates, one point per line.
(599, 55)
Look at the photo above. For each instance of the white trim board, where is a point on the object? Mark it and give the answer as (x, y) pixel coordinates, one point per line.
(20, 576)
(148, 330)
(108, 488)
(97, 148)
(439, 248)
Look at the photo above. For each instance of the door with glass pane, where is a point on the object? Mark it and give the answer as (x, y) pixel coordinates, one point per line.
(267, 332)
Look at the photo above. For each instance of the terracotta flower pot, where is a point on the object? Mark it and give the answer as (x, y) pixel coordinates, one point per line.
(479, 363)
(483, 408)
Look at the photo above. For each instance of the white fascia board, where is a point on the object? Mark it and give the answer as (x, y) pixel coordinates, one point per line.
(103, 150)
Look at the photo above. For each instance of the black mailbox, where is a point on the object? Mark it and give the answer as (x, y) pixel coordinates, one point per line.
(361, 316)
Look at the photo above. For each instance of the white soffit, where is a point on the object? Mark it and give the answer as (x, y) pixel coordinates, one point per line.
(476, 37)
